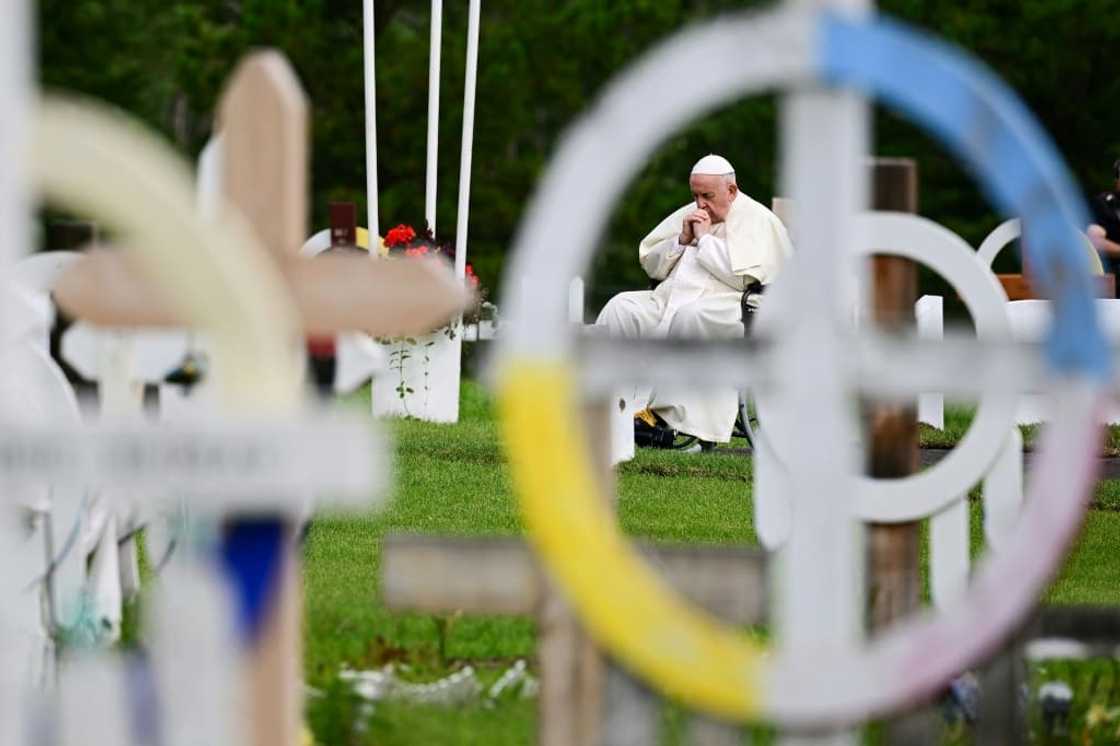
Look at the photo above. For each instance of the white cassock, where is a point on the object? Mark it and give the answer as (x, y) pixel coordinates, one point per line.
(700, 298)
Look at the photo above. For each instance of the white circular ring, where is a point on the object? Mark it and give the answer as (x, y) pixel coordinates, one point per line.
(922, 494)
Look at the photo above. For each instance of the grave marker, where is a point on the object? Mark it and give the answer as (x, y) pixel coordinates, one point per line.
(618, 598)
(425, 574)
(255, 361)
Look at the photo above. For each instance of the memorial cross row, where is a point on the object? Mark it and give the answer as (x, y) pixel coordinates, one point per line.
(256, 470)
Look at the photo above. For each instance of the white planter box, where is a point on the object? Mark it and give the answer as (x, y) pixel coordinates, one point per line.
(422, 378)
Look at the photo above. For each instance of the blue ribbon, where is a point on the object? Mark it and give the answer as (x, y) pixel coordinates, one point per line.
(252, 552)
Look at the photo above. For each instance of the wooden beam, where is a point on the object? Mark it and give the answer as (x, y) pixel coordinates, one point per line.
(333, 293)
(426, 573)
(263, 115)
(1018, 287)
(893, 549)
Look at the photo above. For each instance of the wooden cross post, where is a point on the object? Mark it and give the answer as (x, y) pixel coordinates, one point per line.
(422, 573)
(264, 123)
(893, 549)
(895, 583)
(263, 116)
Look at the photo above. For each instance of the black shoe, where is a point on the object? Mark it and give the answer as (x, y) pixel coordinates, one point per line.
(190, 372)
(650, 431)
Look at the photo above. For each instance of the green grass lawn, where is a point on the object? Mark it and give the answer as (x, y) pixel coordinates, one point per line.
(453, 480)
(958, 418)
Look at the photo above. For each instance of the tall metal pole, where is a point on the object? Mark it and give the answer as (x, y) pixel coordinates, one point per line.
(433, 114)
(468, 140)
(371, 126)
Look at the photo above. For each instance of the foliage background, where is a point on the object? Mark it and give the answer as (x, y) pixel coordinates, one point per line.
(541, 63)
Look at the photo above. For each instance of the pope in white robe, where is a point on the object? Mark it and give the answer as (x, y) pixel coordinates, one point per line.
(705, 255)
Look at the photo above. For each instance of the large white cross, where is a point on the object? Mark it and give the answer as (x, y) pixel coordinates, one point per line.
(814, 366)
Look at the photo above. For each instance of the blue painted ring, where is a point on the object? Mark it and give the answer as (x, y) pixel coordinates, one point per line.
(982, 121)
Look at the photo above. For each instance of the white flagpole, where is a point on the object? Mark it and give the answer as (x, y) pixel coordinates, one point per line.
(371, 128)
(433, 114)
(468, 140)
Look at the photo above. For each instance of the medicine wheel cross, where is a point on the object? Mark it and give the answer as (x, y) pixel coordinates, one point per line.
(821, 672)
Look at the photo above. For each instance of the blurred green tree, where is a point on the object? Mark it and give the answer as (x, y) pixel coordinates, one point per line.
(542, 62)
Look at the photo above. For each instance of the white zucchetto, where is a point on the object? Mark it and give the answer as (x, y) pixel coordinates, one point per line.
(713, 165)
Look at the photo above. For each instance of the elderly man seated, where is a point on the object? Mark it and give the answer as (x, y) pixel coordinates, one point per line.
(706, 254)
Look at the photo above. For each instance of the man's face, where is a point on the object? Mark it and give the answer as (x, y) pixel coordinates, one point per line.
(713, 195)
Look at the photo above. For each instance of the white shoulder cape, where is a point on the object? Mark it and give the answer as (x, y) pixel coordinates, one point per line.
(756, 239)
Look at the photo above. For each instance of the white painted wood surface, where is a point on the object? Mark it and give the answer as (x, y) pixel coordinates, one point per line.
(1011, 230)
(773, 512)
(1003, 492)
(823, 167)
(949, 552)
(421, 378)
(1030, 320)
(15, 201)
(208, 176)
(998, 239)
(575, 300)
(93, 706)
(190, 611)
(929, 312)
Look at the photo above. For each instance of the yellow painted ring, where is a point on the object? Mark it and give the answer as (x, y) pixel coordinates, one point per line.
(698, 660)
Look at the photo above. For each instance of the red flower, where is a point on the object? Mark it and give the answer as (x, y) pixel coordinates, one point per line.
(400, 235)
(472, 278)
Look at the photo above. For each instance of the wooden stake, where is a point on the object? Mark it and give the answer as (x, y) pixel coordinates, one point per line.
(264, 120)
(893, 549)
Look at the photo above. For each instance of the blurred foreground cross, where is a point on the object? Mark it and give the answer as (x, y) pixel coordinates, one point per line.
(581, 701)
(263, 119)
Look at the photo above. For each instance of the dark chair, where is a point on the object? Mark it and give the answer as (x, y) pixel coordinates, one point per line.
(745, 425)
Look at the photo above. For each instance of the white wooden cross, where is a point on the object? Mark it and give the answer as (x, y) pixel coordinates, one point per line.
(823, 674)
(209, 458)
(15, 234)
(142, 456)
